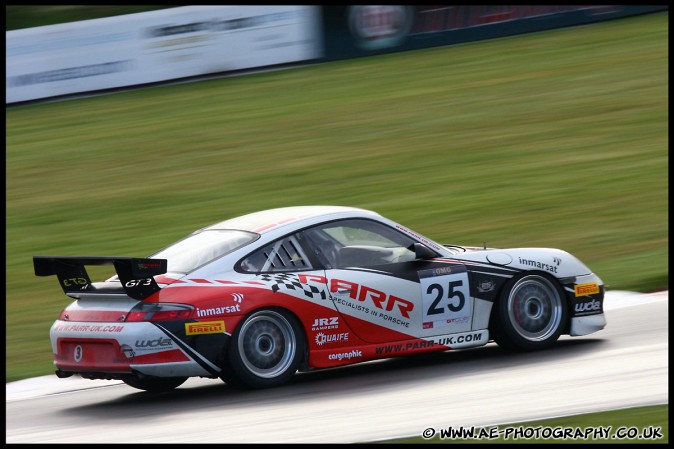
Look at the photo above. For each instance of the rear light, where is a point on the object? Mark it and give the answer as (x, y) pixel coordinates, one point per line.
(160, 312)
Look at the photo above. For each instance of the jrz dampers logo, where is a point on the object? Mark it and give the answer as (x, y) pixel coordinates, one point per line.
(323, 324)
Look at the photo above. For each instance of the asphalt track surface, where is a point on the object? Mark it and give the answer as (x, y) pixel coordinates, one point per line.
(624, 365)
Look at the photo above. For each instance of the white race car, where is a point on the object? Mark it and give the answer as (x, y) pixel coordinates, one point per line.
(252, 300)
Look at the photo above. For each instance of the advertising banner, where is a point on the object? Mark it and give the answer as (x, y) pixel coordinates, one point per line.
(156, 46)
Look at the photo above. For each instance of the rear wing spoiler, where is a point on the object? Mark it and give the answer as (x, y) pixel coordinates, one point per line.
(135, 275)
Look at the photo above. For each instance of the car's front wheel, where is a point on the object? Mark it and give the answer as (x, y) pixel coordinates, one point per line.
(530, 314)
(265, 350)
(154, 384)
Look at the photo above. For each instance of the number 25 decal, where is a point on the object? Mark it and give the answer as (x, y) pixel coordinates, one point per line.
(446, 298)
(451, 293)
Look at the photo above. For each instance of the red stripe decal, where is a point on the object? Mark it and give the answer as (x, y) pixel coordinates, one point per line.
(269, 226)
(200, 281)
(167, 280)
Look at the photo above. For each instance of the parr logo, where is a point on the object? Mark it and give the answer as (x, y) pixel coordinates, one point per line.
(360, 293)
(205, 327)
(590, 288)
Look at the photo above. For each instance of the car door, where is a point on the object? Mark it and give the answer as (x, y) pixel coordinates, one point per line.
(380, 287)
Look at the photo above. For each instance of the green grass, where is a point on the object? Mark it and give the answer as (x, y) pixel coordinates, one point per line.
(554, 139)
(638, 425)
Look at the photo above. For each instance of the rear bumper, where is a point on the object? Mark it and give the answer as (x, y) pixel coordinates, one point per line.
(111, 350)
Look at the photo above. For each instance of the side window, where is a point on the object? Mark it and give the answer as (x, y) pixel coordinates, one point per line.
(283, 255)
(361, 243)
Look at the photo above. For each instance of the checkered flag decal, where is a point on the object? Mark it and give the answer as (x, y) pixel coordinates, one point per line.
(290, 282)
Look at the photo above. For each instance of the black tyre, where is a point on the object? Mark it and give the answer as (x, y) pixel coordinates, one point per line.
(265, 351)
(154, 384)
(530, 314)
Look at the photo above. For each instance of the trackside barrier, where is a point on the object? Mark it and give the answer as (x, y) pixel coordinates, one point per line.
(193, 41)
(367, 30)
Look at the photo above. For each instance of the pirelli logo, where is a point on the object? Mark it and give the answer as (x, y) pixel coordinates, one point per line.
(205, 327)
(590, 288)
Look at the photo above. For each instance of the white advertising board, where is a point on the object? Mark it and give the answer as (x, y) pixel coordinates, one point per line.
(156, 46)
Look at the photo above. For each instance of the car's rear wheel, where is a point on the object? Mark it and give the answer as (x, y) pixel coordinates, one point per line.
(530, 314)
(154, 384)
(265, 351)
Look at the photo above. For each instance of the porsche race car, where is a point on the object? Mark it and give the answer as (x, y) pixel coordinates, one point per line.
(254, 299)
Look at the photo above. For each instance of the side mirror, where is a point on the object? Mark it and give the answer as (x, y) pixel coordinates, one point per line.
(423, 252)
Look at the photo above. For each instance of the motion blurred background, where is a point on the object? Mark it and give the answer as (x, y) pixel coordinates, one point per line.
(555, 139)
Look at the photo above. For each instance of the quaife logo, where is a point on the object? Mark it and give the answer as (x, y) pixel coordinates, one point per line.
(322, 338)
(205, 327)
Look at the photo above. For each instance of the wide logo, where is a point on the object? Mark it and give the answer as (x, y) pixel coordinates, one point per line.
(585, 307)
(154, 343)
(205, 327)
